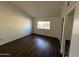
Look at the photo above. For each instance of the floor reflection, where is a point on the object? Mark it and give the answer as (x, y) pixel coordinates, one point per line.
(41, 43)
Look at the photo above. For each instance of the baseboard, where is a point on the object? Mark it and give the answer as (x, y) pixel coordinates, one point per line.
(24, 36)
(14, 40)
(45, 36)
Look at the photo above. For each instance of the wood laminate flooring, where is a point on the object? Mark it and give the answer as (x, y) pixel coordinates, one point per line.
(32, 46)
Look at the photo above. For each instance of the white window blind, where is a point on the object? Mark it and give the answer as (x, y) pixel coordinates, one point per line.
(43, 25)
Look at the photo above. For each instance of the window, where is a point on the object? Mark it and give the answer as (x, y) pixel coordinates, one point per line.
(43, 25)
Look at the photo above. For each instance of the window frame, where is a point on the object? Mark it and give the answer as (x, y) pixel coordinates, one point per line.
(43, 28)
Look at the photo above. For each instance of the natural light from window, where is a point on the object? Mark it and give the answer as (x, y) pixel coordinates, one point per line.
(43, 25)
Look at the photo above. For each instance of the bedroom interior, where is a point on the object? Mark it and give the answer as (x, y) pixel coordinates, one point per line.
(39, 28)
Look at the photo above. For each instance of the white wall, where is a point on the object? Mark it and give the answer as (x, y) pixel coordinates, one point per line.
(13, 23)
(55, 27)
(74, 47)
(68, 27)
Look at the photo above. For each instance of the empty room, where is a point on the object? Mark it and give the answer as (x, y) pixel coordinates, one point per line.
(39, 29)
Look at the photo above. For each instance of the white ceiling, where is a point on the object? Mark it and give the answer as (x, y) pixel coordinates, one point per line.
(41, 8)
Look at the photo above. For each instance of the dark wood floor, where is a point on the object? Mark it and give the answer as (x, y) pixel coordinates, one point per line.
(32, 46)
(67, 47)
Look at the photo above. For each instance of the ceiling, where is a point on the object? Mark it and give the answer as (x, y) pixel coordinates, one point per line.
(41, 8)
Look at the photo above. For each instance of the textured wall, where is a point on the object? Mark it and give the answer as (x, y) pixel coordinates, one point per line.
(54, 29)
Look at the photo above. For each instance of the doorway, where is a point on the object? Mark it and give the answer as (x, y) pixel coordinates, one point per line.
(67, 33)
